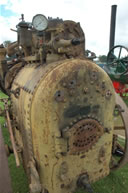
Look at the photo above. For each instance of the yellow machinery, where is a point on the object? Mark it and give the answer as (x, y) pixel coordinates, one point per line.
(62, 105)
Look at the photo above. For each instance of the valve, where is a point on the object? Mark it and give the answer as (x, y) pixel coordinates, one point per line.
(83, 181)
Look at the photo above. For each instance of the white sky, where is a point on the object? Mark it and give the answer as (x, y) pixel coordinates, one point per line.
(93, 15)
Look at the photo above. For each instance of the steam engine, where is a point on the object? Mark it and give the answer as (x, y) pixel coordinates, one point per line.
(61, 108)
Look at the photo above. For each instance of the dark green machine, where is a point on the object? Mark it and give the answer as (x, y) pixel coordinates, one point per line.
(117, 58)
(117, 64)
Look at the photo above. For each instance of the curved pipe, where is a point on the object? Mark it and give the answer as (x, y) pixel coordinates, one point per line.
(11, 48)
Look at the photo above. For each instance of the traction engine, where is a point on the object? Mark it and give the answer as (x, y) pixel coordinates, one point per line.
(61, 110)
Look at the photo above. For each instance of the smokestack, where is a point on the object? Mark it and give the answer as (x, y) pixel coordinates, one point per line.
(112, 26)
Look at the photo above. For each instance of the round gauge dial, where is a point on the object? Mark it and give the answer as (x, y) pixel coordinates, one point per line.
(40, 22)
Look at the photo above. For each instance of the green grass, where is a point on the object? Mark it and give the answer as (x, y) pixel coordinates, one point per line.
(116, 182)
(18, 177)
(126, 98)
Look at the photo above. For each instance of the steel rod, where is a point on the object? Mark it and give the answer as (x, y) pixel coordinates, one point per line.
(12, 138)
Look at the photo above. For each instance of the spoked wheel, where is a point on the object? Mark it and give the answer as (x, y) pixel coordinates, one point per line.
(117, 60)
(123, 111)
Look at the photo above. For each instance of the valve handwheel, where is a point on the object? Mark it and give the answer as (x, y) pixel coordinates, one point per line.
(117, 60)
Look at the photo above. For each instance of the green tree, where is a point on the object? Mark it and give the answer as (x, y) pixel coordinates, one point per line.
(102, 58)
(6, 43)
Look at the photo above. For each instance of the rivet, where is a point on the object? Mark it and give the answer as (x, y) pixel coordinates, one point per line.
(108, 94)
(85, 90)
(59, 96)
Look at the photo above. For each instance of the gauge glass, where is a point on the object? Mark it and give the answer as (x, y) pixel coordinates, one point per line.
(40, 22)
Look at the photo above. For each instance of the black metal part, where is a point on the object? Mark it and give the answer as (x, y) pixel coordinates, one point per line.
(75, 41)
(83, 181)
(75, 110)
(119, 152)
(112, 26)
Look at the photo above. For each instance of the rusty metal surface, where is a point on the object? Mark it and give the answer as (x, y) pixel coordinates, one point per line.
(61, 108)
(11, 75)
(35, 185)
(65, 102)
(5, 180)
(84, 134)
(124, 115)
(42, 114)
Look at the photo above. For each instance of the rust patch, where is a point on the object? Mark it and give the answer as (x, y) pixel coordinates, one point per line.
(54, 75)
(84, 134)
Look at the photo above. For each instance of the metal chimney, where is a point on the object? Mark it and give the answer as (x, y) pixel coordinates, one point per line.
(112, 26)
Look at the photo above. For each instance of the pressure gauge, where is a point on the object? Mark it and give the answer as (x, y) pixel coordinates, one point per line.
(40, 22)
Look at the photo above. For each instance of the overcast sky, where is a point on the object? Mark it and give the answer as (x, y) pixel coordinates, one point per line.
(93, 15)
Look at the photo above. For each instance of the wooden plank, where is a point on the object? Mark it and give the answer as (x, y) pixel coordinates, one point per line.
(5, 180)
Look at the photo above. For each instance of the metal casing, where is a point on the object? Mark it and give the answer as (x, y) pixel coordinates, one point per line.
(52, 104)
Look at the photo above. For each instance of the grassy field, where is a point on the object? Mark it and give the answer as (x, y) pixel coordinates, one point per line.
(116, 182)
(18, 177)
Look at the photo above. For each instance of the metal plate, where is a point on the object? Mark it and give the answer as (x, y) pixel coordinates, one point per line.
(85, 134)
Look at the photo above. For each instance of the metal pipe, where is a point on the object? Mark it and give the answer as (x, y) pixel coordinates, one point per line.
(11, 133)
(11, 48)
(112, 26)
